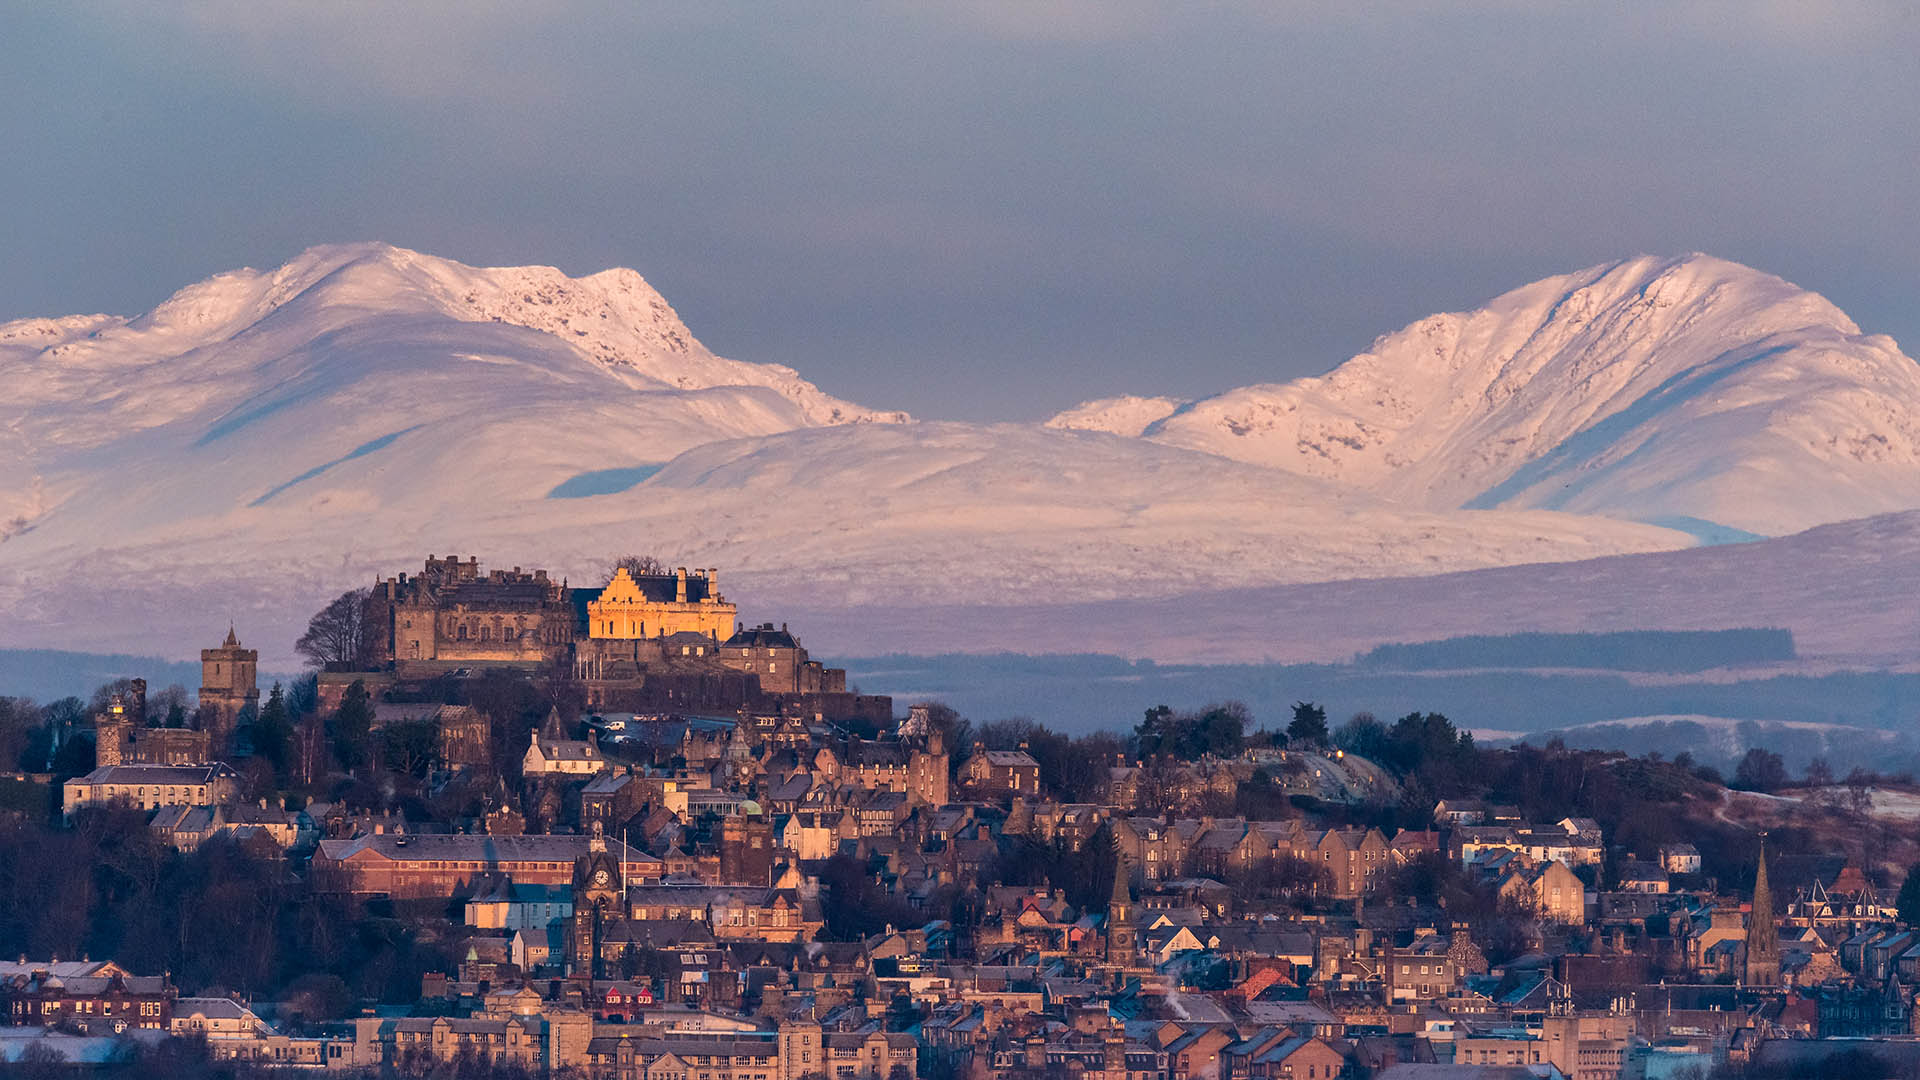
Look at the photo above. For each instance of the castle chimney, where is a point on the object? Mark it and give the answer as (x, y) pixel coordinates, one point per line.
(680, 585)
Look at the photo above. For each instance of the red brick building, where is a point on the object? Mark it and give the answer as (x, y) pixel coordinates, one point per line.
(436, 866)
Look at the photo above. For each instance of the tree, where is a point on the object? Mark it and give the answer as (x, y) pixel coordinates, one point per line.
(1908, 903)
(1153, 736)
(107, 692)
(273, 731)
(1860, 790)
(1007, 734)
(171, 704)
(337, 634)
(1819, 773)
(856, 904)
(1309, 726)
(410, 746)
(1760, 770)
(1218, 729)
(637, 565)
(351, 723)
(1363, 735)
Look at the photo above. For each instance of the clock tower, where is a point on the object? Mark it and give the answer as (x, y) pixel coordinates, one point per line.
(598, 899)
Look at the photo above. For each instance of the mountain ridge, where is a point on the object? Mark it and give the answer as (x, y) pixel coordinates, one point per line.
(1649, 389)
(262, 439)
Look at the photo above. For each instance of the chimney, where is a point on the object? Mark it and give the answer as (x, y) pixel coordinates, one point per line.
(680, 585)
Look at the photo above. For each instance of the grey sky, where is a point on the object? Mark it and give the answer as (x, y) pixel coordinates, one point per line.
(974, 210)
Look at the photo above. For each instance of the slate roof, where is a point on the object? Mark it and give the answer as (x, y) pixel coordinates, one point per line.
(475, 847)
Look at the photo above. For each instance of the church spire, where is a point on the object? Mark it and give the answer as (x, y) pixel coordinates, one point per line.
(1122, 939)
(1763, 934)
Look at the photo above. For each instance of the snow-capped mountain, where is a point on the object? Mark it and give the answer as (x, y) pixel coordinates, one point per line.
(263, 439)
(1691, 392)
(361, 377)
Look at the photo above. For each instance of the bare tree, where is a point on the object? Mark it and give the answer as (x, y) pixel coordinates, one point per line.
(637, 565)
(338, 632)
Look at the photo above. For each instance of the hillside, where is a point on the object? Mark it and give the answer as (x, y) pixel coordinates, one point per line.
(264, 439)
(1843, 591)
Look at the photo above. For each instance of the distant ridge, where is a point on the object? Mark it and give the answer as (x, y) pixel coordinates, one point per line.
(1625, 650)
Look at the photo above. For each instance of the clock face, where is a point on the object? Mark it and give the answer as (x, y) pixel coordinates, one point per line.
(600, 877)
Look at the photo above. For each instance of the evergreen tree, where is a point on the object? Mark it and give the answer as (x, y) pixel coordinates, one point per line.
(1909, 902)
(1309, 726)
(273, 732)
(351, 723)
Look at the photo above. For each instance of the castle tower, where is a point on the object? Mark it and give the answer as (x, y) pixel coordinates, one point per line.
(1122, 938)
(112, 730)
(1763, 934)
(227, 688)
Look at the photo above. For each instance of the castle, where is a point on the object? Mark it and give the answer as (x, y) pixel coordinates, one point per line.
(227, 687)
(642, 642)
(229, 694)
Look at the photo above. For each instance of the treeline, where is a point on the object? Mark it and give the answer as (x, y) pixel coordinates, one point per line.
(1667, 651)
(224, 918)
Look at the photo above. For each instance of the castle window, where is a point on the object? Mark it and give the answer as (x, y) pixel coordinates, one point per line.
(463, 632)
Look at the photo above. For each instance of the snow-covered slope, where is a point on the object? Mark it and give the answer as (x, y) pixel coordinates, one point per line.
(264, 439)
(360, 377)
(1125, 415)
(850, 514)
(1692, 392)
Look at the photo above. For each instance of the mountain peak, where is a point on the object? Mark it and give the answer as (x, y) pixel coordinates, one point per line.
(1687, 388)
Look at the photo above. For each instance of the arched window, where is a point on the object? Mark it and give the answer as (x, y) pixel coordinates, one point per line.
(463, 632)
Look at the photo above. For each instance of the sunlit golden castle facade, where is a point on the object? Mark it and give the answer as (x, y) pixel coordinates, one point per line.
(660, 605)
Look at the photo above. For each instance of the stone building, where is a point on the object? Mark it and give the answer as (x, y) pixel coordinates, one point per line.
(746, 848)
(148, 787)
(551, 753)
(999, 773)
(92, 996)
(122, 737)
(227, 689)
(637, 606)
(778, 660)
(599, 901)
(414, 866)
(451, 615)
(465, 738)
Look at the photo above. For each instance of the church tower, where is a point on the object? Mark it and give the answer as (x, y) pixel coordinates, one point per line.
(1763, 934)
(598, 896)
(227, 688)
(1122, 938)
